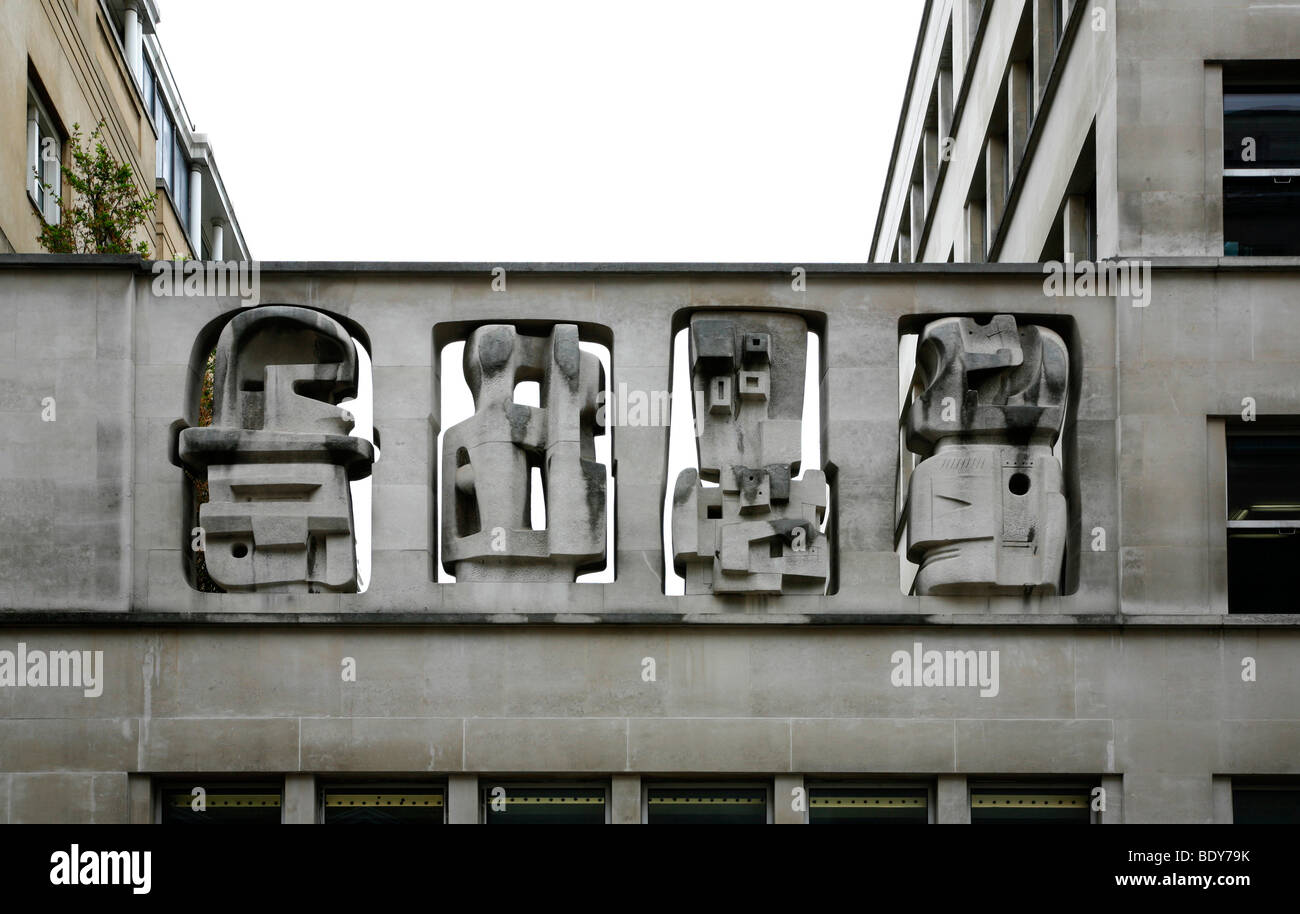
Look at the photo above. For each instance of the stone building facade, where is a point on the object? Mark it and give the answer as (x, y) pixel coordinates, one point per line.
(1096, 651)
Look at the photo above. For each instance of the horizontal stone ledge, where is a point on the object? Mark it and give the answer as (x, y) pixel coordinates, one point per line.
(139, 264)
(436, 619)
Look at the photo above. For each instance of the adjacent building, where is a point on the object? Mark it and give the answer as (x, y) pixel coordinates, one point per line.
(1036, 129)
(80, 62)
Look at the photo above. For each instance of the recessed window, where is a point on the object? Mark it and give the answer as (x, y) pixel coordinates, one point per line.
(696, 805)
(522, 804)
(858, 805)
(221, 804)
(1018, 805)
(1261, 161)
(1263, 517)
(383, 805)
(1266, 804)
(44, 158)
(169, 152)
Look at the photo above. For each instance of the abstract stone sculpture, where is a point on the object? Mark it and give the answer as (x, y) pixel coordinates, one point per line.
(759, 530)
(986, 511)
(278, 456)
(487, 461)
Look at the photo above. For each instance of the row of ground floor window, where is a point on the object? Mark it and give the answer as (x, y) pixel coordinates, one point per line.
(752, 802)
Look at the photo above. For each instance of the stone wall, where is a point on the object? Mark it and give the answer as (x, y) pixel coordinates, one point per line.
(1131, 676)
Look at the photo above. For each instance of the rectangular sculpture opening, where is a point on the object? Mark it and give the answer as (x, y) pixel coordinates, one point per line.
(525, 489)
(987, 496)
(748, 504)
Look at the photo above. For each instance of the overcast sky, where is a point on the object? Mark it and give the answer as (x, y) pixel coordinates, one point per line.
(547, 130)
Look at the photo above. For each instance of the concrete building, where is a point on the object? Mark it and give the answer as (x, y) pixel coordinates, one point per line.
(79, 62)
(1037, 566)
(1157, 671)
(1098, 128)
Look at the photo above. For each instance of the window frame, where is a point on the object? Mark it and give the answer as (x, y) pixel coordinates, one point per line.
(741, 784)
(51, 172)
(218, 783)
(1220, 431)
(871, 784)
(369, 785)
(1042, 785)
(486, 784)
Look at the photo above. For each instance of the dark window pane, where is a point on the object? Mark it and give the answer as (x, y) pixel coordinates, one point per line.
(1266, 806)
(1263, 520)
(1271, 119)
(867, 806)
(1261, 216)
(1030, 806)
(377, 806)
(507, 805)
(1260, 565)
(224, 806)
(707, 806)
(1264, 477)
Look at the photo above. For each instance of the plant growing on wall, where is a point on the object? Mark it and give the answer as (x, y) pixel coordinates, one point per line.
(106, 208)
(203, 581)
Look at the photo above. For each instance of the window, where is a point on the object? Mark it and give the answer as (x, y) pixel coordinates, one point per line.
(524, 804)
(382, 805)
(691, 804)
(1040, 805)
(1266, 804)
(1261, 161)
(44, 158)
(169, 153)
(221, 804)
(861, 805)
(1263, 516)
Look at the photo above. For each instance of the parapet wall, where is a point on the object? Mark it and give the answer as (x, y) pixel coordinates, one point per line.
(1126, 666)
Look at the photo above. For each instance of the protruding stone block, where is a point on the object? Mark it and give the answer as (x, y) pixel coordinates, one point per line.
(986, 508)
(758, 530)
(488, 460)
(278, 456)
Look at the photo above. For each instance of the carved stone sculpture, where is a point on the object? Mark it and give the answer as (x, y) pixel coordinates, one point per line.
(278, 456)
(759, 529)
(986, 510)
(487, 461)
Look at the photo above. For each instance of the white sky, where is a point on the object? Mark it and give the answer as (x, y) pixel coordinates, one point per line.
(551, 130)
(564, 130)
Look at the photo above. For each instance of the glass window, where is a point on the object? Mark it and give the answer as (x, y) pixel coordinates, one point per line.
(221, 804)
(164, 145)
(378, 805)
(1046, 805)
(44, 158)
(868, 805)
(181, 186)
(513, 804)
(1263, 518)
(1261, 166)
(1261, 216)
(1261, 129)
(1266, 805)
(150, 86)
(687, 805)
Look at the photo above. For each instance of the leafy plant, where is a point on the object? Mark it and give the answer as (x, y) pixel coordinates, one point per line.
(203, 580)
(106, 208)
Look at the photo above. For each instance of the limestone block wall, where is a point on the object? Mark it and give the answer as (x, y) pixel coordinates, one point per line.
(1131, 676)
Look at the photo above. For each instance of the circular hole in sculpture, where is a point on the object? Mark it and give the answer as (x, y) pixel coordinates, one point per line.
(239, 550)
(1018, 484)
